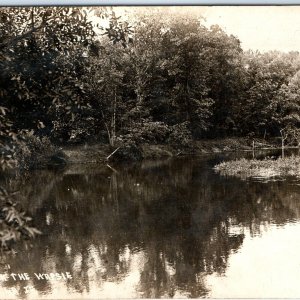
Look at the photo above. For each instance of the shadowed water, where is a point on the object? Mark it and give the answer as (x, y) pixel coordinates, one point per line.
(171, 228)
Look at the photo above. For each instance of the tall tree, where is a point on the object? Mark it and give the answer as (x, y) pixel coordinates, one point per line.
(223, 55)
(187, 73)
(266, 73)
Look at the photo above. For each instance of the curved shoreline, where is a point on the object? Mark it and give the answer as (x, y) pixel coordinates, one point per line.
(98, 153)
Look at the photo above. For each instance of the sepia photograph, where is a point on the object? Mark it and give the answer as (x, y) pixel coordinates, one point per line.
(149, 152)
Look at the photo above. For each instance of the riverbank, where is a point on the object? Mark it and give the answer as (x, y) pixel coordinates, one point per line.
(38, 153)
(99, 153)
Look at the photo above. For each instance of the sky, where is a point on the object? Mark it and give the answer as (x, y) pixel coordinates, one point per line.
(260, 28)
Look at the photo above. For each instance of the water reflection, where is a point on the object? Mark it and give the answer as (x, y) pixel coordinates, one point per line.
(154, 229)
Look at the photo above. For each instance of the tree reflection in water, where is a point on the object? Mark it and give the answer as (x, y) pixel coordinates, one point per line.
(170, 222)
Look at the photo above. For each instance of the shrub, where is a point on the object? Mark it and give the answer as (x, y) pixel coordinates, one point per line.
(148, 132)
(180, 135)
(34, 151)
(81, 129)
(8, 140)
(128, 152)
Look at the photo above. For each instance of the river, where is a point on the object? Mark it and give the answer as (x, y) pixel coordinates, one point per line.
(169, 228)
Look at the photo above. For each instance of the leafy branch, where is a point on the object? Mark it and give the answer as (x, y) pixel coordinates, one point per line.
(14, 223)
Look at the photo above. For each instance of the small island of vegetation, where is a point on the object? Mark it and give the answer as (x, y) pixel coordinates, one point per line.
(266, 168)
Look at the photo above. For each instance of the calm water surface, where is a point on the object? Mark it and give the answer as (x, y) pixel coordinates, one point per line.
(170, 228)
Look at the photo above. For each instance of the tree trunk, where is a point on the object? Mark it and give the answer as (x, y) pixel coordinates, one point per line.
(282, 134)
(32, 18)
(140, 99)
(113, 119)
(107, 128)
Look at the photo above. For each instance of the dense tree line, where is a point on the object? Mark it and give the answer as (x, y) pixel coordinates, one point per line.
(78, 74)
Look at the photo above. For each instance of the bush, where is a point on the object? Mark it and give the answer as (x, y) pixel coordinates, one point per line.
(79, 130)
(8, 141)
(180, 135)
(128, 152)
(148, 132)
(7, 156)
(34, 151)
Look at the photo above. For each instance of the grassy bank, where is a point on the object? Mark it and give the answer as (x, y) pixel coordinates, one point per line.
(36, 153)
(267, 168)
(98, 153)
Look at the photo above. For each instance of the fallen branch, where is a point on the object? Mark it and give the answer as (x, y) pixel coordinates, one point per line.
(114, 170)
(110, 155)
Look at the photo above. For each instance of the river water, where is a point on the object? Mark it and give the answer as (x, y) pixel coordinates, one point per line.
(170, 228)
